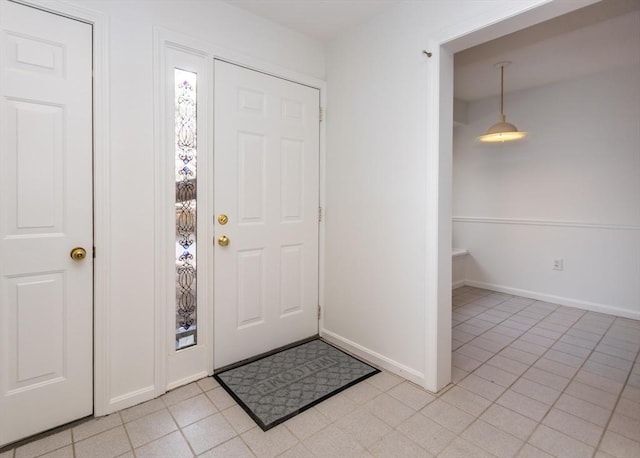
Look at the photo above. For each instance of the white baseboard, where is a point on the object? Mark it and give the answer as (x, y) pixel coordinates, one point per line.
(569, 302)
(458, 284)
(186, 380)
(132, 398)
(147, 393)
(374, 358)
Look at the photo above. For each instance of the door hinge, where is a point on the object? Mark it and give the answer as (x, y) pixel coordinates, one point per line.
(319, 311)
(321, 112)
(319, 214)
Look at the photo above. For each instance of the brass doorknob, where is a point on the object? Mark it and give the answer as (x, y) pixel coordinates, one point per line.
(78, 254)
(223, 240)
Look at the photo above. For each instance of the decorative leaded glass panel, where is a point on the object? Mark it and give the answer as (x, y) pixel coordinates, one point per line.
(186, 217)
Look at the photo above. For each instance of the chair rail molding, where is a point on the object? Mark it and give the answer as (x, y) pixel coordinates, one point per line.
(545, 222)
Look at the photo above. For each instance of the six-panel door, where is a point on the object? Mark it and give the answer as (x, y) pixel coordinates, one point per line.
(46, 301)
(266, 180)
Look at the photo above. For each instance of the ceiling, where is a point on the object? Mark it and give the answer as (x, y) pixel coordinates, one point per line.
(586, 41)
(322, 20)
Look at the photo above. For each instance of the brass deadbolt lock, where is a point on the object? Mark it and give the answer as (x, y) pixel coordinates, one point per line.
(223, 219)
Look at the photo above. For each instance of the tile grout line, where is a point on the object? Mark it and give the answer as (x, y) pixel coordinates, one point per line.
(126, 432)
(615, 406)
(73, 444)
(180, 427)
(218, 411)
(165, 407)
(239, 435)
(393, 429)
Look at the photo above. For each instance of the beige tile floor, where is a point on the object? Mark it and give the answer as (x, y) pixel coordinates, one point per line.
(531, 379)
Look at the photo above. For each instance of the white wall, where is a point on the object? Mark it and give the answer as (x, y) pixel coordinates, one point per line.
(571, 190)
(131, 309)
(383, 296)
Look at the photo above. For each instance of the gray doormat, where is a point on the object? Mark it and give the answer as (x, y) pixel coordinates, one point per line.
(278, 386)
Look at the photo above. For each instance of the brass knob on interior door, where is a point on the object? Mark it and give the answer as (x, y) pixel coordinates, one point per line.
(78, 254)
(223, 240)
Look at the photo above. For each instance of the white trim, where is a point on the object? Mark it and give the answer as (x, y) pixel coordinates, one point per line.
(176, 367)
(186, 380)
(542, 222)
(431, 315)
(461, 36)
(101, 192)
(457, 252)
(214, 51)
(160, 277)
(322, 203)
(102, 215)
(559, 300)
(131, 398)
(458, 284)
(374, 358)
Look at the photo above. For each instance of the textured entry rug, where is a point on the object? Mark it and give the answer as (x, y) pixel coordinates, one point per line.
(276, 387)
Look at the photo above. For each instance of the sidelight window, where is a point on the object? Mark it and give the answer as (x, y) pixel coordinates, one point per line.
(185, 207)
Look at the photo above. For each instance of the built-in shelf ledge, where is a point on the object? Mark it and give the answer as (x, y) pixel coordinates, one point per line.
(459, 252)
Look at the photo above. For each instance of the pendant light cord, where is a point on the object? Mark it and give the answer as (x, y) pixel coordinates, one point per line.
(502, 90)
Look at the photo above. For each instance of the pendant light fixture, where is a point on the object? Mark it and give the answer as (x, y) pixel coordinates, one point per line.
(502, 131)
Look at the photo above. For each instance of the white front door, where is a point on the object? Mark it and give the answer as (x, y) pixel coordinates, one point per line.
(46, 299)
(266, 181)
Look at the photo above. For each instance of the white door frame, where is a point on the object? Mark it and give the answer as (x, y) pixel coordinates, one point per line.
(101, 190)
(439, 152)
(163, 40)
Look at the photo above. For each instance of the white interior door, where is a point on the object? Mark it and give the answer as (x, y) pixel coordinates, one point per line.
(46, 300)
(266, 180)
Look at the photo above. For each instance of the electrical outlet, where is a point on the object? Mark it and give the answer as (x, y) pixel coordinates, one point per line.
(558, 264)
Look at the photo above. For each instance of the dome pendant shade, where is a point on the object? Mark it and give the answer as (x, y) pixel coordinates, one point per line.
(502, 131)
